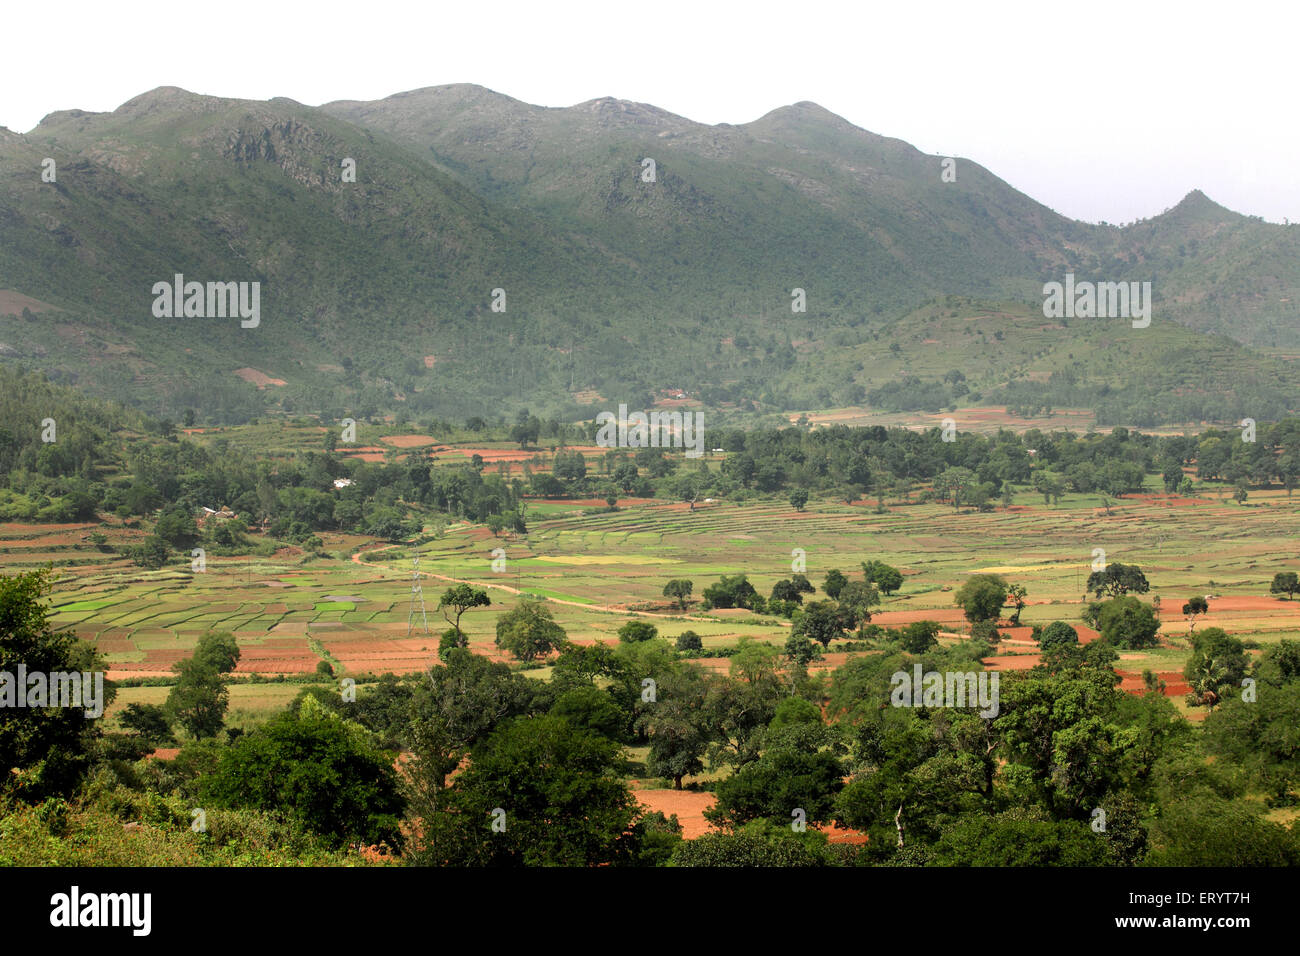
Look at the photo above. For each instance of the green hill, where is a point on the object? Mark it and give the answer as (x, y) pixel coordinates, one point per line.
(376, 295)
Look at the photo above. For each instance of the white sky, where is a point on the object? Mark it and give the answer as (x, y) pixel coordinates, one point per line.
(1110, 111)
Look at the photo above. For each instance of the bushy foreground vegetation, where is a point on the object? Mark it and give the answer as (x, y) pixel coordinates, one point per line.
(473, 763)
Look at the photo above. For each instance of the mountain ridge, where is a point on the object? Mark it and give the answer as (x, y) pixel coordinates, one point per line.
(461, 191)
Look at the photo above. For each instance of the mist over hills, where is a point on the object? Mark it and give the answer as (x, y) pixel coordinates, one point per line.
(376, 295)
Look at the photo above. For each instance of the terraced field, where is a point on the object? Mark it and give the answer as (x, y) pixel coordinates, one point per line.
(598, 568)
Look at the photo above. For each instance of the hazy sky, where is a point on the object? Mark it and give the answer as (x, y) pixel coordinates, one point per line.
(1111, 111)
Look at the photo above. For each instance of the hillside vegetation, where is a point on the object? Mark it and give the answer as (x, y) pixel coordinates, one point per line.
(377, 296)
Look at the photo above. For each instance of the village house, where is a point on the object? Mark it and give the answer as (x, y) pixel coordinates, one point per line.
(213, 514)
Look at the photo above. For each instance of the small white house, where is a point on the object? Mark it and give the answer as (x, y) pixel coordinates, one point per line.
(342, 482)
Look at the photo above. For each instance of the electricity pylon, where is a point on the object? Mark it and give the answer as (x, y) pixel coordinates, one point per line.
(417, 594)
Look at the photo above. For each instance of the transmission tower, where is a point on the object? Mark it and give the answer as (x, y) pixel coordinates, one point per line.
(417, 595)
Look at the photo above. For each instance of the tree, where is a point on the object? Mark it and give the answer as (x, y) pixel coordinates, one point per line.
(888, 579)
(680, 589)
(1057, 634)
(1194, 606)
(1260, 738)
(754, 662)
(529, 631)
(1118, 579)
(149, 723)
(1203, 829)
(785, 590)
(218, 650)
(152, 553)
(955, 483)
(526, 432)
(689, 641)
(801, 650)
(676, 728)
(733, 591)
(1218, 662)
(1049, 486)
(1285, 582)
(1015, 838)
(686, 488)
(982, 597)
(635, 631)
(455, 708)
(324, 772)
(1127, 622)
(1171, 473)
(1065, 741)
(859, 598)
(985, 631)
(569, 465)
(798, 498)
(1016, 598)
(595, 710)
(199, 698)
(820, 622)
(460, 599)
(555, 793)
(796, 710)
(919, 636)
(176, 526)
(44, 751)
(799, 769)
(834, 582)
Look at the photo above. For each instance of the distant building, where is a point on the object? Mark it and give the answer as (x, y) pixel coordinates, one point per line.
(214, 514)
(342, 482)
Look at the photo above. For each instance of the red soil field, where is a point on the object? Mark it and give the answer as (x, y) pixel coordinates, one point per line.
(277, 655)
(1175, 684)
(689, 806)
(380, 654)
(1025, 634)
(1011, 662)
(260, 379)
(367, 453)
(116, 645)
(409, 441)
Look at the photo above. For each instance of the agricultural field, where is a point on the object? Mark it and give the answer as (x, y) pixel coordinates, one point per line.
(597, 568)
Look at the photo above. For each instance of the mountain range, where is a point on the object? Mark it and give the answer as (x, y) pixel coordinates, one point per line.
(491, 255)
